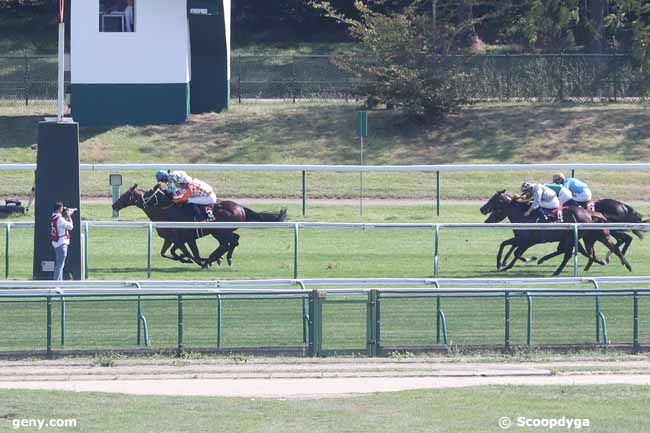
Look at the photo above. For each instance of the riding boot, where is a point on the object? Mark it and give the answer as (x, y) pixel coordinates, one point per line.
(196, 213)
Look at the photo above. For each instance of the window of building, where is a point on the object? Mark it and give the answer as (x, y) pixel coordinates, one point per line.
(116, 15)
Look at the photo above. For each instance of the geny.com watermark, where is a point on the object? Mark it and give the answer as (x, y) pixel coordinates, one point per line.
(546, 423)
(41, 423)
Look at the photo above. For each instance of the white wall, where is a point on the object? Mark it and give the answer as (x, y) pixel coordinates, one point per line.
(157, 52)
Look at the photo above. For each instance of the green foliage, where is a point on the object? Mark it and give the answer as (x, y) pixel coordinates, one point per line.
(404, 62)
(549, 24)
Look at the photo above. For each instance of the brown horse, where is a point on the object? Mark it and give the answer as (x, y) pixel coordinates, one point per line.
(159, 205)
(501, 206)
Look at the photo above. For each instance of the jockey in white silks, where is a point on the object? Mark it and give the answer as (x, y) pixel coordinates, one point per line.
(544, 200)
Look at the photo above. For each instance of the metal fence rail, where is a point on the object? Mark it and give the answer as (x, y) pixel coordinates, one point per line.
(295, 228)
(311, 313)
(304, 169)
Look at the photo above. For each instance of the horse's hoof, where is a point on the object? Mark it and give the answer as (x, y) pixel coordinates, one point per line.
(229, 262)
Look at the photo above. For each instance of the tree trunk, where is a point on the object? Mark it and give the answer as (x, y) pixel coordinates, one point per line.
(597, 11)
(464, 17)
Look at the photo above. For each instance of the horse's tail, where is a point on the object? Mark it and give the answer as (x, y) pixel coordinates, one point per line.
(251, 215)
(634, 217)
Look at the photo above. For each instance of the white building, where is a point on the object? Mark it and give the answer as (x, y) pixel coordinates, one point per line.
(148, 61)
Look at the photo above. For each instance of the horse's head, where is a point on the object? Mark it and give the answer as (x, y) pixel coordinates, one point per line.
(496, 207)
(499, 200)
(156, 197)
(129, 198)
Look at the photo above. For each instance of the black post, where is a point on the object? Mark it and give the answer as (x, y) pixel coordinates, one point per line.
(26, 84)
(57, 179)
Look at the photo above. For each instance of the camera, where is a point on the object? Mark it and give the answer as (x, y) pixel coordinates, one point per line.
(69, 210)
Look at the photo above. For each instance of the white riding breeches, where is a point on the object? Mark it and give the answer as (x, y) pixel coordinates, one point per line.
(583, 196)
(564, 196)
(554, 203)
(204, 200)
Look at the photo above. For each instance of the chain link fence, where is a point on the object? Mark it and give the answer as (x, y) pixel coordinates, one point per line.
(30, 81)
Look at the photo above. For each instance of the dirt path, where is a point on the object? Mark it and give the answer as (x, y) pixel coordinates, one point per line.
(307, 378)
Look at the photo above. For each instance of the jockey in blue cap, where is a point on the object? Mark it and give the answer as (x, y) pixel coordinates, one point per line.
(579, 190)
(171, 178)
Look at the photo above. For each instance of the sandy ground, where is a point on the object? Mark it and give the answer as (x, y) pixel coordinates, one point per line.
(306, 378)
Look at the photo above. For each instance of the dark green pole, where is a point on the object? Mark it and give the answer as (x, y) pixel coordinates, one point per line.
(149, 240)
(529, 327)
(304, 193)
(7, 239)
(49, 328)
(507, 322)
(437, 193)
(635, 342)
(219, 320)
(575, 250)
(315, 323)
(179, 351)
(372, 326)
(137, 320)
(436, 251)
(62, 299)
(438, 306)
(295, 251)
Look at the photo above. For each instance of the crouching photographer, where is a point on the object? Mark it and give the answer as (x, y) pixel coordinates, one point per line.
(60, 226)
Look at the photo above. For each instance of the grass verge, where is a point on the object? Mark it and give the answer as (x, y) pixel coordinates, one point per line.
(478, 410)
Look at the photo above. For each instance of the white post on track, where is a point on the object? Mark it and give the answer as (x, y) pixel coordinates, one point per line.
(61, 83)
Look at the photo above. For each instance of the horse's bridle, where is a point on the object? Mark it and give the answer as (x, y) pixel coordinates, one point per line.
(154, 196)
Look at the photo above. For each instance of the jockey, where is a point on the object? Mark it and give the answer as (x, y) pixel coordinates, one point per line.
(563, 193)
(194, 191)
(543, 198)
(580, 192)
(170, 178)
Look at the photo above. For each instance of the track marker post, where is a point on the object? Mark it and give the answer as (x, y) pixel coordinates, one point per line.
(362, 131)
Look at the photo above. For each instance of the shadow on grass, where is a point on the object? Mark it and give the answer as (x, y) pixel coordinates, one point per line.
(143, 270)
(22, 131)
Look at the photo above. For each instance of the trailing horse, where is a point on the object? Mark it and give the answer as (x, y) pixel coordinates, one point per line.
(619, 212)
(502, 205)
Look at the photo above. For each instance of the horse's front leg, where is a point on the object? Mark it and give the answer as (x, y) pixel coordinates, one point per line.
(512, 242)
(196, 255)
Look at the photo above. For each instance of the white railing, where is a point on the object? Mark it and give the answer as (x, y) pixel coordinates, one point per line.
(328, 284)
(351, 168)
(297, 226)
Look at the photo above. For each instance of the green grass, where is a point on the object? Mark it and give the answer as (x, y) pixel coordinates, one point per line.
(608, 408)
(324, 134)
(121, 254)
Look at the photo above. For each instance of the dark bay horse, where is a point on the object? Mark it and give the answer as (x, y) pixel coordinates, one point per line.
(619, 212)
(501, 206)
(134, 197)
(158, 206)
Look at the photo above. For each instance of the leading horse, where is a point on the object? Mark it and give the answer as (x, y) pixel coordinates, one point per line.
(159, 207)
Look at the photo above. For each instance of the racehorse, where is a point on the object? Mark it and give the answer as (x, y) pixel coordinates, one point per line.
(619, 212)
(502, 205)
(159, 207)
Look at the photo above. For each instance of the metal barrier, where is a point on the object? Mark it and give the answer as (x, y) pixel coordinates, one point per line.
(296, 227)
(438, 169)
(313, 344)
